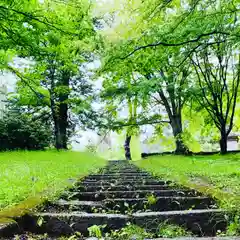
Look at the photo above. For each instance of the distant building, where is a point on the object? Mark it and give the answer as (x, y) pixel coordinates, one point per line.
(233, 141)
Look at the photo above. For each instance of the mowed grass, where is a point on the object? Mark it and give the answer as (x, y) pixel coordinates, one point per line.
(26, 177)
(216, 175)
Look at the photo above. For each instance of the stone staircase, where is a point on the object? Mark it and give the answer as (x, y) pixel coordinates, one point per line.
(121, 193)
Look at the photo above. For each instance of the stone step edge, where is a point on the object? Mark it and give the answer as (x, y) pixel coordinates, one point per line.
(157, 198)
(123, 216)
(99, 203)
(81, 221)
(132, 187)
(135, 191)
(125, 181)
(136, 218)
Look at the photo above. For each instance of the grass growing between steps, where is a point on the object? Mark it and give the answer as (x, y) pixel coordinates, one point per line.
(216, 175)
(26, 177)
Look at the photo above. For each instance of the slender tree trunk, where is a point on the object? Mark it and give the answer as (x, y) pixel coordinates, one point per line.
(223, 141)
(176, 124)
(127, 147)
(63, 111)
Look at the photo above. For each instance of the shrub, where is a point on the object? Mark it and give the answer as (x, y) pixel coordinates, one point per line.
(20, 131)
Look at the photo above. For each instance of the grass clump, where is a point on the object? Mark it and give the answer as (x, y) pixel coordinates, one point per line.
(166, 230)
(27, 177)
(131, 231)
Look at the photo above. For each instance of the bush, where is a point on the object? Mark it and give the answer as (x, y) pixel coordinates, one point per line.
(19, 131)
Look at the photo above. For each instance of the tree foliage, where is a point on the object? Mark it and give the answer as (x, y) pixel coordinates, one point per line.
(162, 61)
(160, 42)
(64, 40)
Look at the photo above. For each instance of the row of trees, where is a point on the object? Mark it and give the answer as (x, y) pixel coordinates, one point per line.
(165, 61)
(182, 56)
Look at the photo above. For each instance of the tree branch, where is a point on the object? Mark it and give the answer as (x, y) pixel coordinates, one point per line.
(25, 81)
(139, 123)
(175, 44)
(35, 18)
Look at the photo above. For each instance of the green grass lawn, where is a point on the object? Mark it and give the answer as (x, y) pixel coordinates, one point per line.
(217, 175)
(26, 177)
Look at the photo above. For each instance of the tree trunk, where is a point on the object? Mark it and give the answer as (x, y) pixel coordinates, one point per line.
(127, 147)
(175, 117)
(176, 124)
(59, 108)
(223, 142)
(60, 136)
(61, 125)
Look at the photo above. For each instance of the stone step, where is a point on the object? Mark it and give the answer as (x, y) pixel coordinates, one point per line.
(135, 205)
(123, 182)
(74, 205)
(118, 161)
(101, 195)
(119, 175)
(120, 179)
(122, 188)
(122, 164)
(8, 230)
(204, 222)
(159, 204)
(200, 222)
(60, 224)
(121, 193)
(129, 171)
(122, 170)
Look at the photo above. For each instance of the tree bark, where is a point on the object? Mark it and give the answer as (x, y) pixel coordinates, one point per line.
(60, 126)
(176, 124)
(59, 108)
(175, 117)
(223, 142)
(127, 148)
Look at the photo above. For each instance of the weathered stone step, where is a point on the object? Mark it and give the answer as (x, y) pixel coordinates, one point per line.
(200, 222)
(127, 170)
(119, 175)
(74, 205)
(60, 224)
(122, 179)
(110, 173)
(122, 172)
(124, 182)
(101, 195)
(120, 165)
(114, 161)
(122, 169)
(122, 188)
(137, 196)
(136, 205)
(159, 204)
(126, 178)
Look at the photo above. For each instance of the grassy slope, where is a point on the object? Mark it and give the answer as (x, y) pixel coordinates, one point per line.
(216, 175)
(26, 176)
